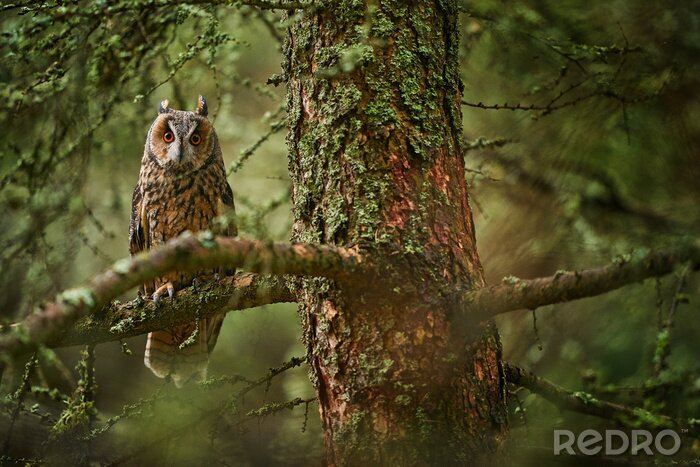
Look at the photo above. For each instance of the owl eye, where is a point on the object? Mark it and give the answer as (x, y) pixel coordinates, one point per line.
(168, 137)
(195, 139)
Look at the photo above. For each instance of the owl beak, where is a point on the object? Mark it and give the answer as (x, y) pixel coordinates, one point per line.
(175, 153)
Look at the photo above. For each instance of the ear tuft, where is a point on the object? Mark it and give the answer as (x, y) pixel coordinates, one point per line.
(163, 107)
(202, 108)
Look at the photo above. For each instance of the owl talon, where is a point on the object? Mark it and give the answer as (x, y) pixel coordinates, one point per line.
(158, 294)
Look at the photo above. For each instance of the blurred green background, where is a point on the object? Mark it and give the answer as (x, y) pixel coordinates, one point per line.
(607, 161)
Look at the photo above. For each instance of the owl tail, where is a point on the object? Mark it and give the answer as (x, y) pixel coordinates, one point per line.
(188, 364)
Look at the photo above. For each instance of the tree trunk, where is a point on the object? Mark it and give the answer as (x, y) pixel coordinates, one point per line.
(376, 162)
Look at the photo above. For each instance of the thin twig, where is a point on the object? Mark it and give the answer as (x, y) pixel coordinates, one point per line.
(663, 345)
(633, 417)
(19, 396)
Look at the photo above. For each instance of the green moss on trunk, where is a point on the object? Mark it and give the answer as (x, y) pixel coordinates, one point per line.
(376, 162)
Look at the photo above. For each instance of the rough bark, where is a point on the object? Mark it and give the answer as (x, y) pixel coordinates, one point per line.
(376, 163)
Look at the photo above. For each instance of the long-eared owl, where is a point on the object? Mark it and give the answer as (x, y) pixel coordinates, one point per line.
(182, 186)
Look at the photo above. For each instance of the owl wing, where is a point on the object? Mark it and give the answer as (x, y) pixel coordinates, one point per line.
(138, 228)
(138, 233)
(225, 204)
(228, 205)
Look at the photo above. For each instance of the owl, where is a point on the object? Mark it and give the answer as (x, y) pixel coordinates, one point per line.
(182, 186)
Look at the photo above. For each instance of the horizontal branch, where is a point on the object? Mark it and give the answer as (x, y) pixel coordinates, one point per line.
(123, 320)
(32, 5)
(186, 253)
(631, 417)
(515, 294)
(263, 5)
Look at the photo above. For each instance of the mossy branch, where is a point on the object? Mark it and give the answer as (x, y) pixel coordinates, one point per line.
(274, 407)
(665, 326)
(47, 323)
(582, 402)
(515, 294)
(30, 6)
(123, 320)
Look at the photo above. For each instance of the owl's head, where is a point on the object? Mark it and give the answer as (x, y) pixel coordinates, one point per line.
(181, 140)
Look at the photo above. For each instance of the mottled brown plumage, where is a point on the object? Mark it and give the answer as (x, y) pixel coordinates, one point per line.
(182, 186)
